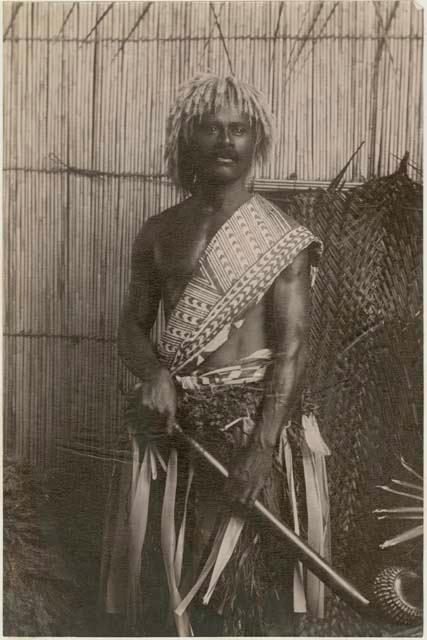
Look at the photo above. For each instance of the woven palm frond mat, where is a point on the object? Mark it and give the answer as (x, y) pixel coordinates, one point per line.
(365, 374)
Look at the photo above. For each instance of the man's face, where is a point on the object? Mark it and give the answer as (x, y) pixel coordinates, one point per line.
(222, 146)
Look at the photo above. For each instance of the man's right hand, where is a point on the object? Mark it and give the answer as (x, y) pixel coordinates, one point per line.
(159, 394)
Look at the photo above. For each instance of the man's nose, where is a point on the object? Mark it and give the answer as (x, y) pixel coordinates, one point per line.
(226, 138)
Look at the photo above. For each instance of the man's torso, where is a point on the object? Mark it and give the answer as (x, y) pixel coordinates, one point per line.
(183, 234)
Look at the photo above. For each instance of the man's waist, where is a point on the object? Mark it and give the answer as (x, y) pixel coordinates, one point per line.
(249, 369)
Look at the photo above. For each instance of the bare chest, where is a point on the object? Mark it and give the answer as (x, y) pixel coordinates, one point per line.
(178, 253)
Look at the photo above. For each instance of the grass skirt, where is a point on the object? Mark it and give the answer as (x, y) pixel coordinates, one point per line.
(256, 584)
(258, 577)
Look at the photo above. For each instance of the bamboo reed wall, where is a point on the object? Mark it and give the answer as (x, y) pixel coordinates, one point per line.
(87, 87)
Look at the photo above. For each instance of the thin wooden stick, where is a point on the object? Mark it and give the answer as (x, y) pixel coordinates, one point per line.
(15, 12)
(67, 17)
(218, 25)
(98, 21)
(135, 26)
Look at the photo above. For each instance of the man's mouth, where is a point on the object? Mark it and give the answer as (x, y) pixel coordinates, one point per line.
(223, 160)
(224, 156)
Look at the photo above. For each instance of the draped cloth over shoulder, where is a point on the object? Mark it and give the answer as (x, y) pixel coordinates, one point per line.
(233, 274)
(235, 271)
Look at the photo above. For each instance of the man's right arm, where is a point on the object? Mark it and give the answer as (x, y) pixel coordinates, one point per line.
(137, 318)
(140, 307)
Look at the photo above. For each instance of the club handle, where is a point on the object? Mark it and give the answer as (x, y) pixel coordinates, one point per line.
(312, 560)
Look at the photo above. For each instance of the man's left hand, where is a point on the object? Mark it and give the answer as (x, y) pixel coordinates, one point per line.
(249, 472)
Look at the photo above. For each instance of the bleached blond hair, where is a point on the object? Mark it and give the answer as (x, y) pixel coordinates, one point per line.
(208, 93)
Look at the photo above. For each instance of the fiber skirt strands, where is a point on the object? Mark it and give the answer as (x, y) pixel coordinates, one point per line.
(224, 561)
(259, 570)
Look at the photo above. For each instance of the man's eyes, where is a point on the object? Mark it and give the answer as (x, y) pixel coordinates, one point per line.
(238, 130)
(235, 130)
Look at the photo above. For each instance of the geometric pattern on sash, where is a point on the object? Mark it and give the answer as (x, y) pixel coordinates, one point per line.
(234, 272)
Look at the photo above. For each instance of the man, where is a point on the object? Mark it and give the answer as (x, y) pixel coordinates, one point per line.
(233, 274)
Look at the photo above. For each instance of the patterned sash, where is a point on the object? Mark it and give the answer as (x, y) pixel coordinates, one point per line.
(234, 272)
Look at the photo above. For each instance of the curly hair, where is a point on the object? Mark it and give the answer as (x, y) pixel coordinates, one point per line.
(208, 93)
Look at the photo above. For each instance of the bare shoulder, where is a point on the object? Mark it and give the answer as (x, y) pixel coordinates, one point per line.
(157, 228)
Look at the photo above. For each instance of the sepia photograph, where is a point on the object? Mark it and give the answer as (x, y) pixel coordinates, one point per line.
(213, 318)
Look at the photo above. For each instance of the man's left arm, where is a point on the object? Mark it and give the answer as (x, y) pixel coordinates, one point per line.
(291, 306)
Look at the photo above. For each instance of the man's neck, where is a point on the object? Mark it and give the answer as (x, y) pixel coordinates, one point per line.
(221, 197)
